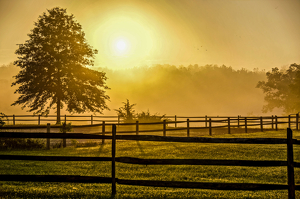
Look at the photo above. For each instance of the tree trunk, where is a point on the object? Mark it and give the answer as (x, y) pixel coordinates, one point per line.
(58, 111)
(58, 97)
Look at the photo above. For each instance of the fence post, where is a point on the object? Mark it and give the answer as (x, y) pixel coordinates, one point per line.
(210, 133)
(205, 120)
(103, 131)
(118, 119)
(65, 118)
(164, 128)
(137, 127)
(188, 127)
(290, 164)
(228, 125)
(272, 122)
(261, 124)
(92, 119)
(246, 128)
(276, 123)
(48, 139)
(289, 121)
(175, 121)
(39, 119)
(238, 121)
(297, 121)
(113, 161)
(64, 139)
(14, 120)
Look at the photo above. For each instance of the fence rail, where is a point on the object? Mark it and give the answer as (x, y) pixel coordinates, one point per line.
(204, 121)
(200, 124)
(173, 123)
(290, 163)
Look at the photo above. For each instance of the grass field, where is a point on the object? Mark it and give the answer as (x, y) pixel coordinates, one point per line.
(142, 149)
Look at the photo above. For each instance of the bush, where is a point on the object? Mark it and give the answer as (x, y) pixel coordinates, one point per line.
(147, 117)
(21, 143)
(66, 127)
(126, 113)
(75, 143)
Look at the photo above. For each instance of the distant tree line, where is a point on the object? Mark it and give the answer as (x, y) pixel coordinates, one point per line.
(188, 90)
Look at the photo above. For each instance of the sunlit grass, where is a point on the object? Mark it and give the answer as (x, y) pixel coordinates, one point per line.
(164, 150)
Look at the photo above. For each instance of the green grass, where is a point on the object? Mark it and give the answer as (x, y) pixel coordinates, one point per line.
(162, 150)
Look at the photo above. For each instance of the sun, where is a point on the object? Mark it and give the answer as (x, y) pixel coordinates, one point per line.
(121, 45)
(124, 41)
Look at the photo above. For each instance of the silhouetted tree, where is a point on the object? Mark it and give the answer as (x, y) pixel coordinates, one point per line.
(53, 68)
(282, 89)
(126, 112)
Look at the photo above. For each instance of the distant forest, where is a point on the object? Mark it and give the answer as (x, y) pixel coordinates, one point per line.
(166, 89)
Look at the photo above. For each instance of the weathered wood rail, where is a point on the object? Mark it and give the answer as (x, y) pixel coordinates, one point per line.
(290, 163)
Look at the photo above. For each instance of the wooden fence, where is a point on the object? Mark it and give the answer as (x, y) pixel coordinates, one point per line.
(290, 163)
(178, 121)
(184, 125)
(40, 119)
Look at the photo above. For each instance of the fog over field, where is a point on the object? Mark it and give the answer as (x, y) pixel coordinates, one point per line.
(167, 89)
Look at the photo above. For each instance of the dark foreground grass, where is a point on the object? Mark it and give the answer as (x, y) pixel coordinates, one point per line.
(140, 149)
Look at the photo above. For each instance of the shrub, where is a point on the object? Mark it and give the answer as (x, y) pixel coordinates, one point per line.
(147, 117)
(75, 143)
(21, 143)
(66, 127)
(126, 113)
(57, 145)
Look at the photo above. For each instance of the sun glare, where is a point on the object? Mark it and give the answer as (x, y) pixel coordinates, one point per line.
(124, 41)
(121, 45)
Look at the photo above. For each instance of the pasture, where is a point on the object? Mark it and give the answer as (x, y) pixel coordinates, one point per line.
(163, 150)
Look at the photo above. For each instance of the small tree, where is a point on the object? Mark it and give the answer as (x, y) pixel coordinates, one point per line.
(54, 72)
(282, 89)
(126, 112)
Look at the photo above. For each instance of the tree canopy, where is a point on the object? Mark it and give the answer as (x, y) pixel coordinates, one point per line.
(54, 69)
(282, 89)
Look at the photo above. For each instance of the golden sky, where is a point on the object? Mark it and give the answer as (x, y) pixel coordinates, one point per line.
(238, 33)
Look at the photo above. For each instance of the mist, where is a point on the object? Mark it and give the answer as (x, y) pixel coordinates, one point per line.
(7, 92)
(167, 89)
(187, 90)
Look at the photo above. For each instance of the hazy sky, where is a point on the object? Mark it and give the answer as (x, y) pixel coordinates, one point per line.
(238, 33)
